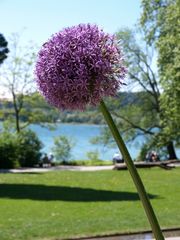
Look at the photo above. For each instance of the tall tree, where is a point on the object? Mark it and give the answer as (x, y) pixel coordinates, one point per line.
(16, 76)
(152, 16)
(3, 48)
(168, 47)
(18, 81)
(143, 114)
(161, 21)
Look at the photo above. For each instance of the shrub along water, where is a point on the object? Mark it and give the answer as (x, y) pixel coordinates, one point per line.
(19, 150)
(8, 150)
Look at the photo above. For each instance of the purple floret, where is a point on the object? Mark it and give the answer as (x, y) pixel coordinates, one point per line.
(78, 66)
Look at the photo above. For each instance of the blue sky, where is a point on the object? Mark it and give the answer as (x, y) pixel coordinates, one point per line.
(42, 18)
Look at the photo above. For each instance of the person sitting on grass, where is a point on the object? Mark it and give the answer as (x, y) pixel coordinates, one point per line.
(117, 158)
(51, 159)
(45, 160)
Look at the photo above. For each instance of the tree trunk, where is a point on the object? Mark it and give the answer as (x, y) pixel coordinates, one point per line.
(17, 121)
(171, 151)
(16, 110)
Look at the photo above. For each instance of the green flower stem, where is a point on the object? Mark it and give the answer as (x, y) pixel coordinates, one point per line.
(134, 174)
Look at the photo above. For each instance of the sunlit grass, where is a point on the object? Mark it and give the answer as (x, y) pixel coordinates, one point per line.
(86, 163)
(64, 204)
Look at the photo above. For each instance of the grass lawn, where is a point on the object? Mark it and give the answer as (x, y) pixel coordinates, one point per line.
(64, 204)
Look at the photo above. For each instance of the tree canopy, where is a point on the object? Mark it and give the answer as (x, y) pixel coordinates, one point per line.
(18, 81)
(160, 20)
(155, 111)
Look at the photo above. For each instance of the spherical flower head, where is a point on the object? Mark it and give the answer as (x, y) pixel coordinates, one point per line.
(79, 66)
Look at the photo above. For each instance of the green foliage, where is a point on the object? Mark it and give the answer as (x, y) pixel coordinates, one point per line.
(160, 21)
(62, 148)
(37, 110)
(86, 162)
(18, 149)
(142, 114)
(147, 114)
(3, 48)
(26, 106)
(18, 77)
(34, 110)
(29, 147)
(8, 150)
(150, 146)
(143, 152)
(168, 46)
(152, 17)
(135, 118)
(91, 116)
(93, 156)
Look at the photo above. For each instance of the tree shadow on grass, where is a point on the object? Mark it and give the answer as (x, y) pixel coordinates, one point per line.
(64, 193)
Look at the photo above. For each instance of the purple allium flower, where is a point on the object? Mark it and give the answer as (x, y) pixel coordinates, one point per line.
(79, 66)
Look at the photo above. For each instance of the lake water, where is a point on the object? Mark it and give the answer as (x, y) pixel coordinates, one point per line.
(81, 135)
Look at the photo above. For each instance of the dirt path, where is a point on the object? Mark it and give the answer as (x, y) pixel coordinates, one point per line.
(58, 168)
(71, 168)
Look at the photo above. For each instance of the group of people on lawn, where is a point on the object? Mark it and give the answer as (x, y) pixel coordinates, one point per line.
(47, 161)
(151, 156)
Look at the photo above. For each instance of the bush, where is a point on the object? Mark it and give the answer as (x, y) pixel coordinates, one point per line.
(143, 152)
(93, 156)
(62, 148)
(19, 150)
(29, 147)
(8, 150)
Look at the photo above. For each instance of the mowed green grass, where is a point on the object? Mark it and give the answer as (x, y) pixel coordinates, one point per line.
(66, 204)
